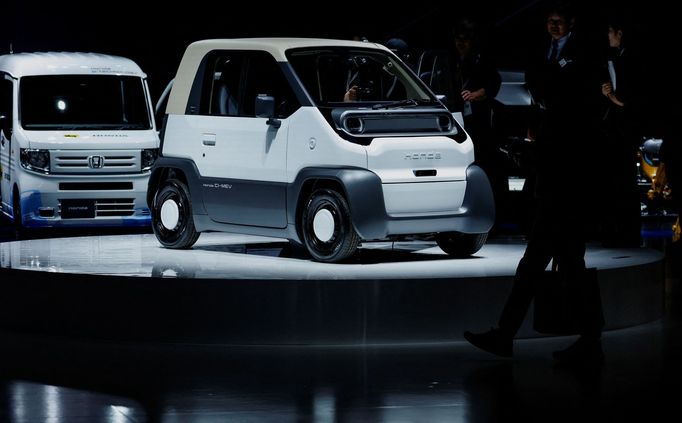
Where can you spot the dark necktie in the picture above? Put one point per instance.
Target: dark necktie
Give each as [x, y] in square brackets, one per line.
[555, 51]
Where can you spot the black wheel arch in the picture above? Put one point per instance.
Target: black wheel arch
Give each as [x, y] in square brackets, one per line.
[182, 169]
[360, 187]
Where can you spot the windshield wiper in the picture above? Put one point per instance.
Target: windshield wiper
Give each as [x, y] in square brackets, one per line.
[400, 103]
[130, 126]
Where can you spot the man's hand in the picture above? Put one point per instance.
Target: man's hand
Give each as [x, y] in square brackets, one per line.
[607, 89]
[477, 95]
[351, 94]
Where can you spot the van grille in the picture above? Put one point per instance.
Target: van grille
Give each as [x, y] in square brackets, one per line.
[95, 161]
[107, 207]
[110, 207]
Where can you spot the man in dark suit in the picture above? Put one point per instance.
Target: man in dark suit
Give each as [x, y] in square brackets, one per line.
[561, 79]
[477, 82]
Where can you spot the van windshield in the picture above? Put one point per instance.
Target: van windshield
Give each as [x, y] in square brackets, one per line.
[337, 76]
[69, 102]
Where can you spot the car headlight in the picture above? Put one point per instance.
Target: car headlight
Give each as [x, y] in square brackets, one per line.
[35, 160]
[149, 156]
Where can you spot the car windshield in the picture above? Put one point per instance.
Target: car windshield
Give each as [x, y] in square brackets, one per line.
[334, 76]
[83, 102]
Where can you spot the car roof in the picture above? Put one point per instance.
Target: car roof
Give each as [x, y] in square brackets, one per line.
[277, 47]
[67, 63]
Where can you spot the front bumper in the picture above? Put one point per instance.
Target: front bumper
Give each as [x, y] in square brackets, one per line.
[475, 214]
[118, 200]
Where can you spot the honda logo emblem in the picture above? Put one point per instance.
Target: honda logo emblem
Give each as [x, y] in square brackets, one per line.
[96, 162]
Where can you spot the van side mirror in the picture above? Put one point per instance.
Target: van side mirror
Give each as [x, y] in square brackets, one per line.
[265, 108]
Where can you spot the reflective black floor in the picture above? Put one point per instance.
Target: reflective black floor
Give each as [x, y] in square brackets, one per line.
[47, 380]
[70, 380]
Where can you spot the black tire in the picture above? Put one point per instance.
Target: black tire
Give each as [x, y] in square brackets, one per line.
[343, 241]
[458, 244]
[175, 195]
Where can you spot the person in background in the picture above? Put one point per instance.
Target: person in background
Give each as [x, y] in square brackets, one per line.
[401, 49]
[477, 81]
[621, 224]
[395, 89]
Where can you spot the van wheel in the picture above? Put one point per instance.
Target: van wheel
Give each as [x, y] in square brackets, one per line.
[458, 244]
[328, 232]
[172, 219]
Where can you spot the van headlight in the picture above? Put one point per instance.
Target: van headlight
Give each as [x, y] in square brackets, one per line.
[35, 160]
[149, 156]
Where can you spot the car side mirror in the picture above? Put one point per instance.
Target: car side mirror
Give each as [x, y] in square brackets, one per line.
[442, 98]
[265, 108]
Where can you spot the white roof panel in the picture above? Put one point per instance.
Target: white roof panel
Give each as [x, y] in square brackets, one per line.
[61, 63]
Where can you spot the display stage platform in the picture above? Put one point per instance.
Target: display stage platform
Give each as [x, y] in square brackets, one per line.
[243, 290]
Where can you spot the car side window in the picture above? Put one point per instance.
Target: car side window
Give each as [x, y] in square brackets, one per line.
[225, 73]
[264, 76]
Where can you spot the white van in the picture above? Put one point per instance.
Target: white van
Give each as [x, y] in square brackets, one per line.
[324, 142]
[77, 140]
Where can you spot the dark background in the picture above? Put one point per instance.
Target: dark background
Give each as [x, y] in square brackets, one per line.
[156, 35]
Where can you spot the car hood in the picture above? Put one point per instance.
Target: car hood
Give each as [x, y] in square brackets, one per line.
[78, 140]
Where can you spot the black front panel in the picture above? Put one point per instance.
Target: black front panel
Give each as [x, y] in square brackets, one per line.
[94, 186]
[78, 209]
[242, 202]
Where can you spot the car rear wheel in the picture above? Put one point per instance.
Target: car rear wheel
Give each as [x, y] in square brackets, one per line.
[327, 229]
[458, 244]
[172, 215]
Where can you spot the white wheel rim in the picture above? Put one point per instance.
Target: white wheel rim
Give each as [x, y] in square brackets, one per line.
[323, 225]
[169, 273]
[170, 214]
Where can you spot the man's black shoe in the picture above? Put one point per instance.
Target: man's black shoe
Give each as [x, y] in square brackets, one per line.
[493, 341]
[583, 351]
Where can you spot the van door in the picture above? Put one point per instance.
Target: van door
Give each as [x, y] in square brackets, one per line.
[243, 159]
[6, 109]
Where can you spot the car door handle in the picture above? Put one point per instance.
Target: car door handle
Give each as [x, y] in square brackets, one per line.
[208, 139]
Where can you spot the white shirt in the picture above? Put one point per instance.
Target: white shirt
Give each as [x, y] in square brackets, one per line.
[561, 42]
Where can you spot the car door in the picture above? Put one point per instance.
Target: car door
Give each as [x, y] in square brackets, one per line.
[243, 158]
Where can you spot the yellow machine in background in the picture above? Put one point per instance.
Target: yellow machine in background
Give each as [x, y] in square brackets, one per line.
[653, 171]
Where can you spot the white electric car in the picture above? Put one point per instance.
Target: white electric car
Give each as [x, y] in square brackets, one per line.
[77, 140]
[324, 142]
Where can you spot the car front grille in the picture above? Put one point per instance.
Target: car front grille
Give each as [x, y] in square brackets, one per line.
[94, 161]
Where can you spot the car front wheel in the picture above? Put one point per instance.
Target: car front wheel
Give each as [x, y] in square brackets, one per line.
[172, 215]
[327, 229]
